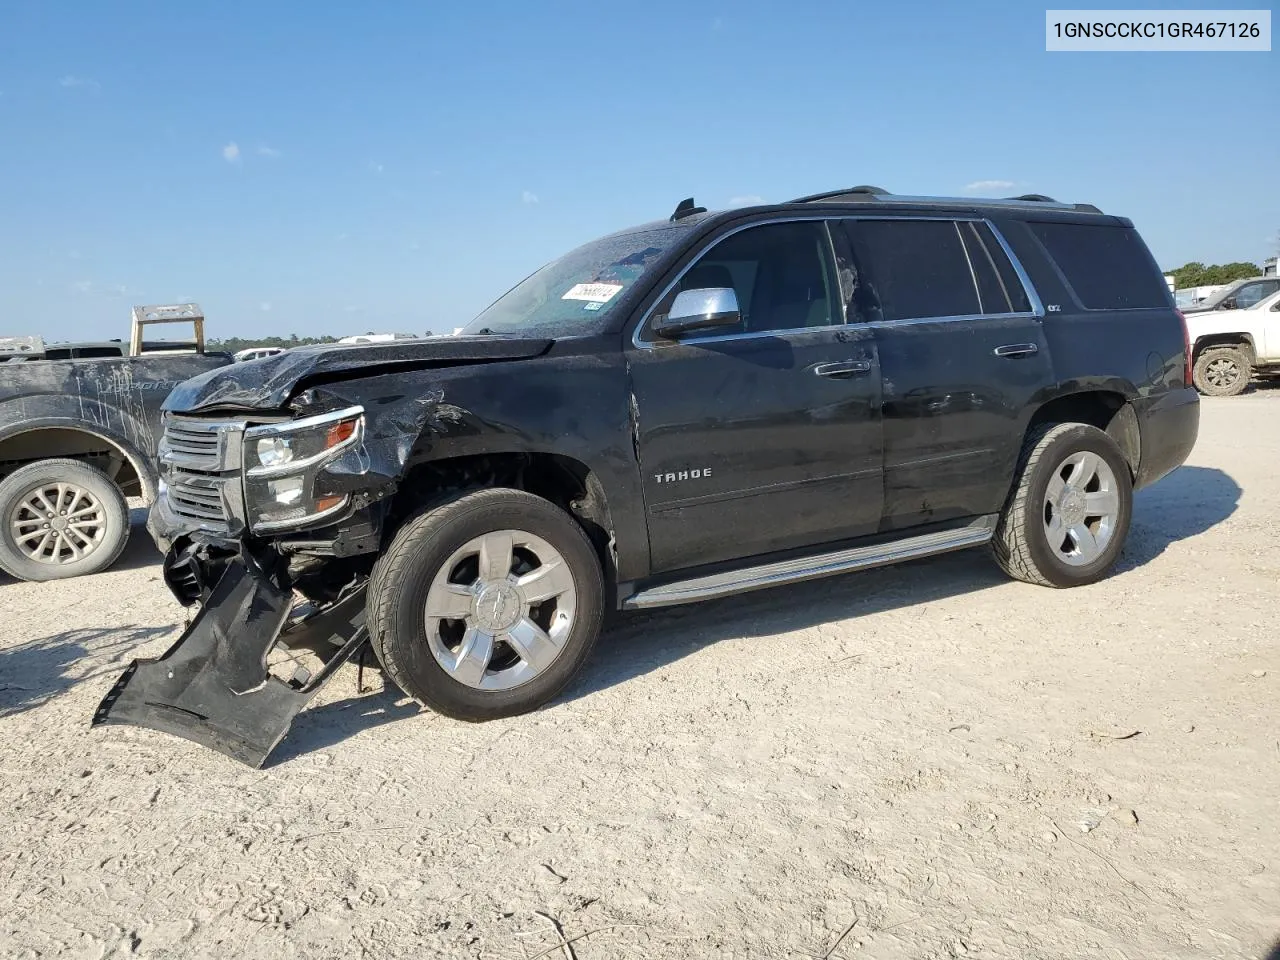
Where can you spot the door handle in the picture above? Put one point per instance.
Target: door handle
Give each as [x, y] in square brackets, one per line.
[1016, 350]
[842, 368]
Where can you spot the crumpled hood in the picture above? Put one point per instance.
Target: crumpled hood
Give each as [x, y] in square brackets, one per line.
[269, 383]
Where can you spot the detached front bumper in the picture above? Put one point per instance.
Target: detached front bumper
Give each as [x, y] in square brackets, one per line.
[213, 685]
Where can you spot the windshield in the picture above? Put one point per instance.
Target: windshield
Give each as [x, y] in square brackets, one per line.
[574, 294]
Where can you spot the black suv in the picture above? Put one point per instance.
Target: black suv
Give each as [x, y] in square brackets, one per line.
[696, 407]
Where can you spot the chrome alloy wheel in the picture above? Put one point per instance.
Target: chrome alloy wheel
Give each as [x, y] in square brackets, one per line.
[500, 609]
[1081, 507]
[57, 523]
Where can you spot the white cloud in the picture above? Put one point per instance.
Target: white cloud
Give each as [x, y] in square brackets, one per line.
[71, 81]
[376, 167]
[271, 152]
[528, 196]
[265, 306]
[983, 185]
[746, 200]
[231, 152]
[83, 286]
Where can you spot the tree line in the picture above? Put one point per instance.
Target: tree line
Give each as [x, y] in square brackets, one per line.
[1196, 274]
[235, 344]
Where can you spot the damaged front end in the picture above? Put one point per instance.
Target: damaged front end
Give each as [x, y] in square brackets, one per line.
[271, 526]
[214, 685]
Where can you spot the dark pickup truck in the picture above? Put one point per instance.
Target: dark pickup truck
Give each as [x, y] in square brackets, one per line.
[696, 407]
[78, 435]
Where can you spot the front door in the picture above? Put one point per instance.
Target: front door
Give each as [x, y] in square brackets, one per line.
[766, 436]
[962, 353]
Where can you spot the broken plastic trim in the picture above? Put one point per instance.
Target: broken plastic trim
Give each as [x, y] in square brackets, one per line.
[213, 687]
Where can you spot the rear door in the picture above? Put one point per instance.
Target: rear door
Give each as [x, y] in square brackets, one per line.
[764, 437]
[962, 355]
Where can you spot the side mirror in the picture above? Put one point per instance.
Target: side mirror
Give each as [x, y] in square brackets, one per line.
[1228, 304]
[704, 309]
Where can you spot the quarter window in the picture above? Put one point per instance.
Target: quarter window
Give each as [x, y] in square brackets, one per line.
[1108, 267]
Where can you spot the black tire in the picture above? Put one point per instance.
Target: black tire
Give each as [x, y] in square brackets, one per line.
[1221, 371]
[403, 576]
[106, 538]
[1021, 544]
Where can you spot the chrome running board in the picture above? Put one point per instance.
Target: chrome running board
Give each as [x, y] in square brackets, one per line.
[810, 568]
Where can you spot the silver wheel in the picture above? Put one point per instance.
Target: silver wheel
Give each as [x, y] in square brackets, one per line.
[1222, 372]
[58, 523]
[1081, 507]
[500, 609]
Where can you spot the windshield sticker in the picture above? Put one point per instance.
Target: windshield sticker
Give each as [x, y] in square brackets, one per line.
[593, 292]
[592, 306]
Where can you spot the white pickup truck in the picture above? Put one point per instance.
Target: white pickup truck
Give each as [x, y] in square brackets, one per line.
[1232, 346]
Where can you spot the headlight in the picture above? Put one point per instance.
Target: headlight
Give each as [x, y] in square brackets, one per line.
[284, 460]
[274, 451]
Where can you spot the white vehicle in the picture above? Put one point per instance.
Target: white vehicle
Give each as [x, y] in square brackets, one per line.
[256, 353]
[1231, 346]
[1237, 295]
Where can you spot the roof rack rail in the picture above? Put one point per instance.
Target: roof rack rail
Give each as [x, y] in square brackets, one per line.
[866, 194]
[862, 190]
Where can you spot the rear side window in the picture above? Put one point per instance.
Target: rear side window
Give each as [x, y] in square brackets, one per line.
[1108, 267]
[917, 268]
[999, 289]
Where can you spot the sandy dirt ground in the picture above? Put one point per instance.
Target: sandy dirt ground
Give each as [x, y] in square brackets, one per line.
[921, 762]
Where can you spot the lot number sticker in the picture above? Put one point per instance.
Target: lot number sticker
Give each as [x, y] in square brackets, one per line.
[593, 292]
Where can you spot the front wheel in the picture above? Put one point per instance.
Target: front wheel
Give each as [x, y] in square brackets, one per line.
[486, 606]
[61, 518]
[1069, 515]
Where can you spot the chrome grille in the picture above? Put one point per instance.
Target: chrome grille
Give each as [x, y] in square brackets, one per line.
[200, 469]
[195, 444]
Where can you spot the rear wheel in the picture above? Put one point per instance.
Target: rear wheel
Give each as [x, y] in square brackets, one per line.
[1069, 514]
[61, 518]
[486, 606]
[1221, 371]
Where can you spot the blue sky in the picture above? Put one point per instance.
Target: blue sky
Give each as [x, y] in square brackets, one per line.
[335, 168]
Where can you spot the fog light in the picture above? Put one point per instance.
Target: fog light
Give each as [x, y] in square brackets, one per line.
[287, 491]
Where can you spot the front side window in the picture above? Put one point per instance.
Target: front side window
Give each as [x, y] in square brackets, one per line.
[780, 272]
[1251, 294]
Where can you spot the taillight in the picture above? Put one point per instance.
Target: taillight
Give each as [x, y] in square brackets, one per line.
[1186, 343]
